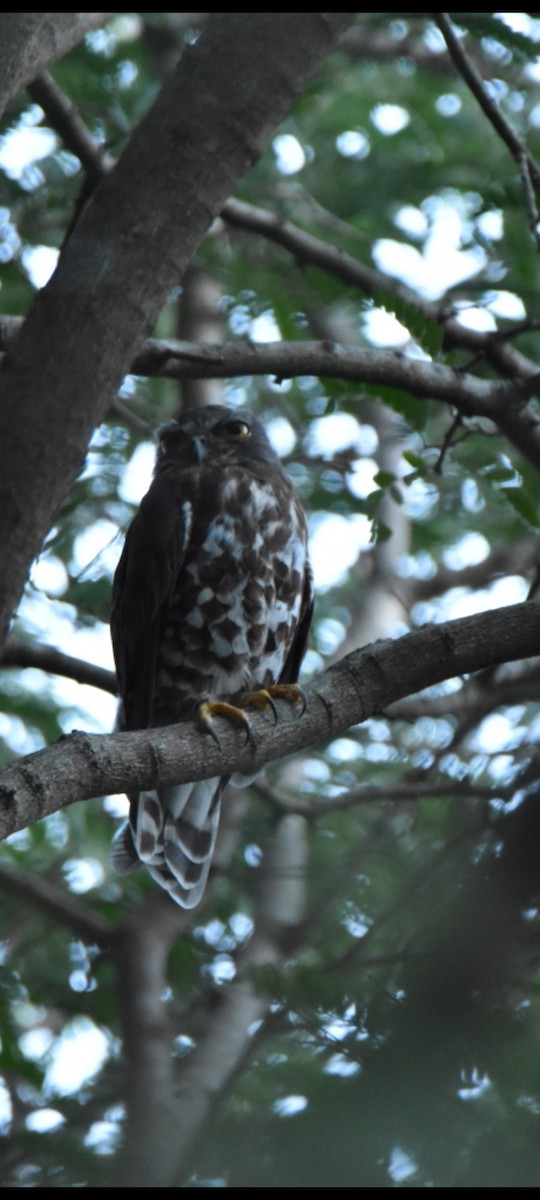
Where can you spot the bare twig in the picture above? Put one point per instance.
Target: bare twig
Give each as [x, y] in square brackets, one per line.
[397, 794]
[528, 167]
[64, 117]
[516, 558]
[448, 441]
[313, 251]
[64, 908]
[19, 653]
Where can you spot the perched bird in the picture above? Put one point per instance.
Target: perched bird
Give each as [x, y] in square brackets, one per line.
[212, 601]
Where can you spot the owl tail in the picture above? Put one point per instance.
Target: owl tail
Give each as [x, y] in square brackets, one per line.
[173, 833]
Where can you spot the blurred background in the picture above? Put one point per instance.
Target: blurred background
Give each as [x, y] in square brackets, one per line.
[362, 976]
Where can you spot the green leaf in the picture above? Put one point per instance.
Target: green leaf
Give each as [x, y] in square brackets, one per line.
[524, 503]
[384, 478]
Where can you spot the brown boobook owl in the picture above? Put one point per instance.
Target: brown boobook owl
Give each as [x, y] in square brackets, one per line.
[212, 601]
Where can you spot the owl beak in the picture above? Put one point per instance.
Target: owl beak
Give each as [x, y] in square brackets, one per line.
[199, 447]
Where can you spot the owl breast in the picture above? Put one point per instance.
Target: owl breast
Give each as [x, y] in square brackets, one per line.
[236, 604]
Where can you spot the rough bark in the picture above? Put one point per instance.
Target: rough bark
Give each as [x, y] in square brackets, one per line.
[81, 765]
[31, 41]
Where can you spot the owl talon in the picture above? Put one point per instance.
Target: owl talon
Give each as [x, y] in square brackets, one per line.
[300, 695]
[262, 699]
[292, 692]
[219, 708]
[266, 697]
[209, 726]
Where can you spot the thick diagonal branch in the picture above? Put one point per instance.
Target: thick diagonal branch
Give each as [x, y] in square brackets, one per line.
[31, 41]
[83, 765]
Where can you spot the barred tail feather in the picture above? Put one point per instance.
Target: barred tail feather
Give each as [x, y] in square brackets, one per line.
[124, 857]
[173, 833]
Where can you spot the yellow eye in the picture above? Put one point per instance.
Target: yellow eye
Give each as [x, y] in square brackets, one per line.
[238, 429]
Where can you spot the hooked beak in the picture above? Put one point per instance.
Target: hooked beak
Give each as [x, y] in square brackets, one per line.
[199, 447]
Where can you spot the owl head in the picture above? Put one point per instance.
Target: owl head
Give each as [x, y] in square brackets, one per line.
[211, 435]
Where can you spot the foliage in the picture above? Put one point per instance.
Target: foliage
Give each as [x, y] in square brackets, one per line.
[393, 1032]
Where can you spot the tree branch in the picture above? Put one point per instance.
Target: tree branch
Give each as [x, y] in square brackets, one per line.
[361, 42]
[229, 1035]
[312, 251]
[528, 168]
[81, 765]
[19, 653]
[503, 403]
[477, 698]
[165, 1121]
[64, 117]
[66, 909]
[396, 794]
[329, 360]
[515, 558]
[499, 402]
[31, 41]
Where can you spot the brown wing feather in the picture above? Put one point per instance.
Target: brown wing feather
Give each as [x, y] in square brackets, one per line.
[146, 575]
[293, 662]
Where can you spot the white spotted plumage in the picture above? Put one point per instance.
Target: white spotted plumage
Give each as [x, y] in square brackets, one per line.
[212, 599]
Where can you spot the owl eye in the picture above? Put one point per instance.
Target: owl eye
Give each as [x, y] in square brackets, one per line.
[238, 429]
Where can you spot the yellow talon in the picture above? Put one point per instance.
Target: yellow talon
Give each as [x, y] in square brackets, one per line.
[291, 692]
[263, 698]
[219, 708]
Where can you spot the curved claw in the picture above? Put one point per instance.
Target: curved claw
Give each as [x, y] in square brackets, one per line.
[291, 692]
[263, 699]
[266, 697]
[206, 720]
[209, 709]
